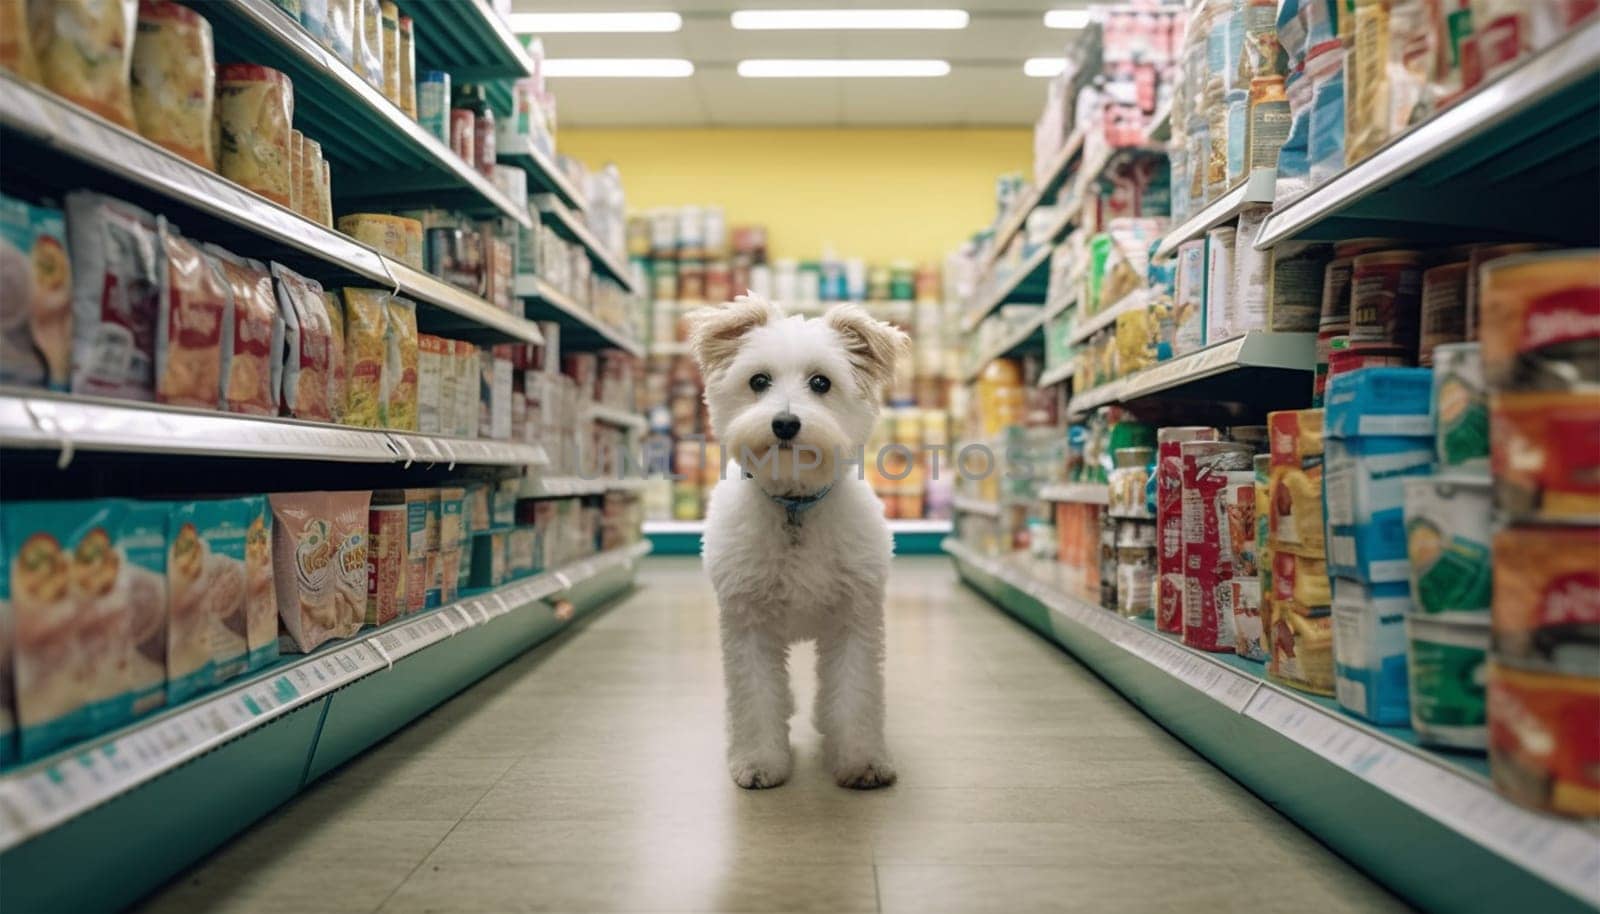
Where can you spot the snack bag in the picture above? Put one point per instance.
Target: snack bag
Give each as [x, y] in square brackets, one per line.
[85, 50]
[35, 296]
[174, 80]
[16, 55]
[304, 560]
[348, 514]
[366, 350]
[192, 328]
[399, 402]
[254, 113]
[338, 380]
[388, 540]
[115, 290]
[206, 596]
[252, 371]
[261, 593]
[308, 331]
[144, 542]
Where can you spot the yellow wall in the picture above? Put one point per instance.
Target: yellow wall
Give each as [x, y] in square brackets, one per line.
[879, 194]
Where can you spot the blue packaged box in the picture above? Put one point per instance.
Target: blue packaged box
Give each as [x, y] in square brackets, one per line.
[1365, 496]
[1379, 401]
[1369, 650]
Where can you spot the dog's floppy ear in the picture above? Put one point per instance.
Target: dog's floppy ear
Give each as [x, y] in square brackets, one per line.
[715, 330]
[873, 345]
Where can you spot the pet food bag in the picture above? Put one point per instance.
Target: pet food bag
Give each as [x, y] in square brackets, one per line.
[174, 79]
[304, 573]
[85, 50]
[399, 403]
[116, 286]
[192, 327]
[366, 351]
[206, 621]
[254, 113]
[35, 296]
[261, 596]
[347, 512]
[252, 371]
[338, 372]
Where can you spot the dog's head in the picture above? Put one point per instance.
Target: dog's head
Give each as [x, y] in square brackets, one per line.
[789, 396]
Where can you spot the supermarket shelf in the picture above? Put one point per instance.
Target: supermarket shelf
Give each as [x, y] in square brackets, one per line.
[466, 38]
[377, 154]
[669, 349]
[543, 173]
[1063, 372]
[1530, 132]
[966, 505]
[1428, 825]
[185, 780]
[548, 302]
[40, 127]
[1105, 317]
[1055, 307]
[1045, 191]
[1025, 283]
[1252, 191]
[1241, 364]
[682, 537]
[39, 420]
[1029, 334]
[619, 418]
[571, 226]
[1090, 493]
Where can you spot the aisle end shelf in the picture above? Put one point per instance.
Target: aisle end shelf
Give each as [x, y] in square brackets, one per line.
[1428, 823]
[174, 779]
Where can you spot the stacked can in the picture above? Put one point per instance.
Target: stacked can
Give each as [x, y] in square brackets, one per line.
[1541, 363]
[1243, 541]
[1207, 552]
[1378, 433]
[1261, 473]
[1136, 529]
[1169, 521]
[1297, 609]
[1333, 325]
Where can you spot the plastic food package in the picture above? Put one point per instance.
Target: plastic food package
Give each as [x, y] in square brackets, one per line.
[206, 575]
[1369, 651]
[251, 368]
[387, 556]
[1365, 495]
[87, 594]
[254, 111]
[399, 402]
[261, 594]
[1207, 568]
[115, 288]
[174, 80]
[1544, 451]
[347, 512]
[338, 377]
[311, 165]
[1538, 313]
[341, 30]
[192, 329]
[391, 236]
[366, 347]
[1447, 522]
[389, 53]
[85, 51]
[35, 296]
[297, 154]
[18, 56]
[369, 42]
[1325, 145]
[304, 562]
[407, 53]
[308, 333]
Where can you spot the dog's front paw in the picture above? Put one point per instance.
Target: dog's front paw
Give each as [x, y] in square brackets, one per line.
[868, 775]
[758, 772]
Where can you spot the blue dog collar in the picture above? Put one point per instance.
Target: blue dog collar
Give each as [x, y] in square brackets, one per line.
[796, 505]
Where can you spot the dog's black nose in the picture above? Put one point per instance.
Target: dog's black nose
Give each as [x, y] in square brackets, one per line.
[785, 426]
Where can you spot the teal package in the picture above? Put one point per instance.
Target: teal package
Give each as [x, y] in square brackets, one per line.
[1364, 504]
[230, 644]
[1369, 651]
[1379, 401]
[8, 717]
[206, 608]
[261, 596]
[144, 542]
[34, 252]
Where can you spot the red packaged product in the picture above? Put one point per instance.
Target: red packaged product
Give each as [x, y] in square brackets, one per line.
[250, 367]
[387, 533]
[1207, 567]
[1169, 522]
[309, 334]
[193, 303]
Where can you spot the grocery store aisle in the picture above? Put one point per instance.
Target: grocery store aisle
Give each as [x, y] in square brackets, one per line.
[588, 776]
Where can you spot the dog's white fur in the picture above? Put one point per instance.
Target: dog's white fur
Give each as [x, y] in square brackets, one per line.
[820, 575]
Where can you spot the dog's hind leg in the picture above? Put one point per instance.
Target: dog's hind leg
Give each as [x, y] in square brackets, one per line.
[755, 667]
[849, 711]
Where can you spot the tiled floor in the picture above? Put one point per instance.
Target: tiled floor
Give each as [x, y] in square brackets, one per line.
[588, 776]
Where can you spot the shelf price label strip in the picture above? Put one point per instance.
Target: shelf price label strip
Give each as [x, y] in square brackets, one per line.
[35, 800]
[1565, 854]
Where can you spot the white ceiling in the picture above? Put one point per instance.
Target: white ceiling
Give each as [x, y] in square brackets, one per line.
[985, 85]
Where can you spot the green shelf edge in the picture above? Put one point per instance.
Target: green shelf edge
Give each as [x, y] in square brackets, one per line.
[675, 542]
[1414, 856]
[111, 856]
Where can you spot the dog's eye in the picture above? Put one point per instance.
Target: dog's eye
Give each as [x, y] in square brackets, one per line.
[760, 382]
[820, 383]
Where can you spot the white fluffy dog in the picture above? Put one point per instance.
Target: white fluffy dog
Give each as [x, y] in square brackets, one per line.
[796, 543]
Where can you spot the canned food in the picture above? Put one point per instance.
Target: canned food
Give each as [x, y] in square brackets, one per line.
[1135, 574]
[1140, 533]
[1207, 614]
[1544, 450]
[1444, 308]
[1476, 258]
[1546, 604]
[1541, 320]
[433, 104]
[1460, 408]
[1249, 635]
[1542, 747]
[1385, 300]
[1169, 521]
[1239, 501]
[1334, 321]
[1447, 659]
[463, 135]
[1447, 544]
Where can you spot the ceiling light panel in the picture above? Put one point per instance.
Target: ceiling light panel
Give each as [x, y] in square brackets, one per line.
[619, 67]
[571, 23]
[1044, 66]
[1066, 19]
[846, 69]
[828, 20]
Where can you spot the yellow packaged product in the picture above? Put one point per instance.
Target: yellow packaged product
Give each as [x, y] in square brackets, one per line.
[391, 236]
[16, 41]
[1302, 652]
[1295, 523]
[365, 340]
[85, 50]
[297, 165]
[311, 179]
[1135, 340]
[255, 107]
[407, 52]
[390, 52]
[399, 403]
[325, 196]
[338, 377]
[174, 78]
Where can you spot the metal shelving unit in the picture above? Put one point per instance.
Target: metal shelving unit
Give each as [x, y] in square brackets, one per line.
[1232, 369]
[1427, 824]
[617, 418]
[584, 329]
[1029, 335]
[567, 223]
[185, 779]
[542, 172]
[467, 38]
[1531, 132]
[1023, 284]
[1255, 190]
[1105, 317]
[1091, 493]
[1050, 377]
[1046, 191]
